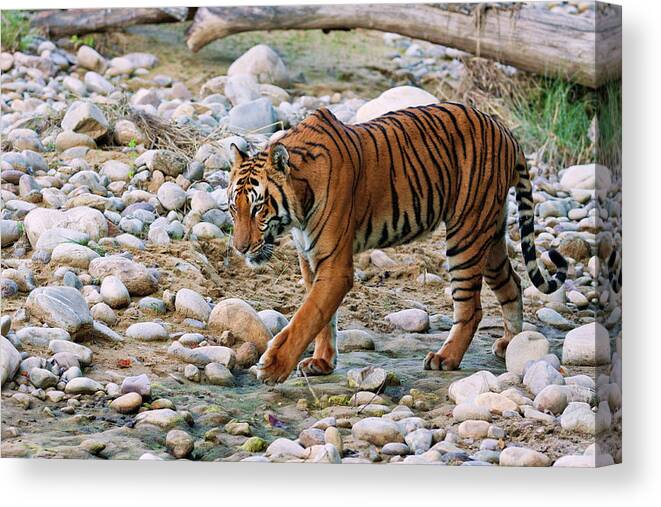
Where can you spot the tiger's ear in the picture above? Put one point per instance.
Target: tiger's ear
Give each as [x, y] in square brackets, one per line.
[279, 157]
[239, 156]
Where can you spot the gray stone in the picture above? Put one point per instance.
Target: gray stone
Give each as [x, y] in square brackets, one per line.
[147, 331]
[42, 378]
[539, 375]
[10, 360]
[218, 374]
[171, 196]
[273, 320]
[138, 384]
[553, 318]
[84, 354]
[189, 303]
[377, 431]
[350, 340]
[254, 116]
[86, 118]
[201, 356]
[61, 307]
[82, 385]
[411, 320]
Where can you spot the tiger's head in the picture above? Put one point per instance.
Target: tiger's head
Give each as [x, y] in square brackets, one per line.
[259, 201]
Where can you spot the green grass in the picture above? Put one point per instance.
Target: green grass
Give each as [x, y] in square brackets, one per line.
[16, 32]
[609, 120]
[554, 116]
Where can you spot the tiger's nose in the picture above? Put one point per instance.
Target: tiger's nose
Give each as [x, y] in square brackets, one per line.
[242, 248]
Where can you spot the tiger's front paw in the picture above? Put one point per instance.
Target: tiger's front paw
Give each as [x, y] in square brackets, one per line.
[277, 363]
[438, 361]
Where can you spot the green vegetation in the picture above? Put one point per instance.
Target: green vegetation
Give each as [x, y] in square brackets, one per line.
[16, 33]
[609, 121]
[555, 116]
[88, 40]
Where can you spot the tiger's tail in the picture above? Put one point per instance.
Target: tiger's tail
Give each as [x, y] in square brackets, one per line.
[523, 188]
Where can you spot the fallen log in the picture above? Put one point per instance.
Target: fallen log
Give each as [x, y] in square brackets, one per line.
[61, 23]
[524, 36]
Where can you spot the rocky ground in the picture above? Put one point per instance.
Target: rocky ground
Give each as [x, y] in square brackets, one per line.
[130, 330]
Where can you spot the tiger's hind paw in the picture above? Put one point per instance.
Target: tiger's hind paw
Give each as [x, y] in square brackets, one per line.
[315, 366]
[436, 361]
[499, 347]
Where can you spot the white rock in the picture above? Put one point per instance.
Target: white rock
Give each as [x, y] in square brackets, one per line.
[263, 64]
[273, 320]
[586, 177]
[466, 389]
[412, 320]
[147, 331]
[114, 292]
[90, 59]
[588, 345]
[62, 307]
[84, 354]
[10, 360]
[579, 417]
[377, 431]
[471, 411]
[41, 336]
[171, 196]
[524, 347]
[523, 457]
[82, 385]
[189, 303]
[394, 99]
[74, 255]
[539, 375]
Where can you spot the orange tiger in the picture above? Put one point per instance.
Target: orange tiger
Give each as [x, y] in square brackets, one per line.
[342, 189]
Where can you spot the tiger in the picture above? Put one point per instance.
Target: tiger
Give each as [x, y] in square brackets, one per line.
[341, 189]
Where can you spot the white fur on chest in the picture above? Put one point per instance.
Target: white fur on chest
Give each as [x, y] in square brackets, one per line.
[303, 243]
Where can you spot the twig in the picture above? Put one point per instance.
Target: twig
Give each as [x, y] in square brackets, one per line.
[305, 376]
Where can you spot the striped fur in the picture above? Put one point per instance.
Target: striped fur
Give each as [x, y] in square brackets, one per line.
[342, 189]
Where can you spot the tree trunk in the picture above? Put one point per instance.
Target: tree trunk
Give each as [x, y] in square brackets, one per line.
[585, 49]
[60, 23]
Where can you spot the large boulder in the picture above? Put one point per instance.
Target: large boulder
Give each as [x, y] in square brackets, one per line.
[254, 116]
[586, 177]
[136, 277]
[62, 307]
[73, 254]
[241, 320]
[83, 219]
[587, 345]
[524, 347]
[85, 118]
[263, 63]
[394, 99]
[10, 360]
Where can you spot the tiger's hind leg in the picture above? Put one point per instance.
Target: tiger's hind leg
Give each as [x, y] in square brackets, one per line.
[466, 267]
[506, 286]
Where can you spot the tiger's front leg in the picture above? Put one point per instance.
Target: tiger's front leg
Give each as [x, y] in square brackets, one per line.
[332, 281]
